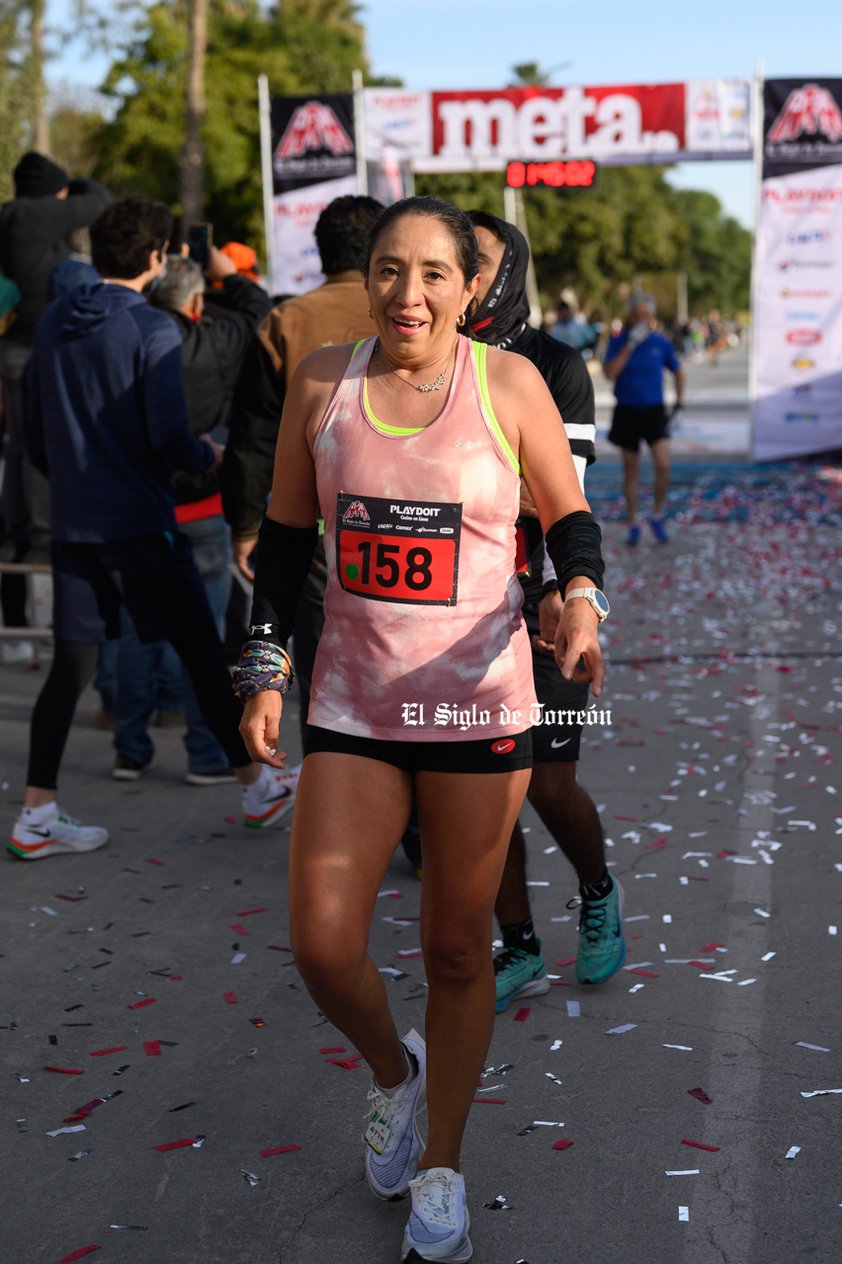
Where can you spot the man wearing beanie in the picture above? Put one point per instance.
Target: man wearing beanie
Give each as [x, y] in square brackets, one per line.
[34, 231]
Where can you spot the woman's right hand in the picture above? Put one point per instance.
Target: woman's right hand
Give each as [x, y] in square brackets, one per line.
[259, 728]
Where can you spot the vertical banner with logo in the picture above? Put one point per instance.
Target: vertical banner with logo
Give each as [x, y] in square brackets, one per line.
[798, 256]
[313, 161]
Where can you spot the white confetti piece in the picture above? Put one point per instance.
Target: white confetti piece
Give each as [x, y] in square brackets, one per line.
[821, 1092]
[746, 982]
[380, 894]
[685, 882]
[761, 912]
[637, 987]
[556, 1045]
[548, 851]
[688, 1171]
[646, 875]
[620, 1031]
[667, 919]
[832, 930]
[397, 921]
[57, 1132]
[802, 1044]
[574, 1009]
[685, 1048]
[637, 965]
[684, 1213]
[238, 957]
[537, 884]
[792, 1152]
[638, 917]
[768, 956]
[547, 1123]
[45, 908]
[565, 918]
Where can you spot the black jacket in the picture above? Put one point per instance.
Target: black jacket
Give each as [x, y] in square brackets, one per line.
[213, 350]
[33, 239]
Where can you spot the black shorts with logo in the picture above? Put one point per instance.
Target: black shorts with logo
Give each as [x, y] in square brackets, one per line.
[558, 740]
[488, 754]
[630, 425]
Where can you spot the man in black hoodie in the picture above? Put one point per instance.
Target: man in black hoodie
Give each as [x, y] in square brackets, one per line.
[34, 232]
[565, 807]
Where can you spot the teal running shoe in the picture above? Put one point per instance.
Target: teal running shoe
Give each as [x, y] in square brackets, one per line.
[602, 948]
[519, 973]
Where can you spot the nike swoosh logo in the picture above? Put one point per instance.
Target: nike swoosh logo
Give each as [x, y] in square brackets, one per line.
[285, 793]
[555, 745]
[41, 833]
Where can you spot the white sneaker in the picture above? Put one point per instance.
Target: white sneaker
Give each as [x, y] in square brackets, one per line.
[268, 799]
[392, 1137]
[58, 834]
[439, 1222]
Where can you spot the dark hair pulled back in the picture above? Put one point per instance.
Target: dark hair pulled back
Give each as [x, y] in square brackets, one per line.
[456, 222]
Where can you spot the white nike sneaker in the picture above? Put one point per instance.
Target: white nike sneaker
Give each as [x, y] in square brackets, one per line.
[269, 799]
[52, 837]
[393, 1142]
[439, 1222]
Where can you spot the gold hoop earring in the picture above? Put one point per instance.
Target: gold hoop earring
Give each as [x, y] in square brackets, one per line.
[370, 317]
[460, 320]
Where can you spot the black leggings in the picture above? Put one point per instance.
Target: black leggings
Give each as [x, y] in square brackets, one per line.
[74, 664]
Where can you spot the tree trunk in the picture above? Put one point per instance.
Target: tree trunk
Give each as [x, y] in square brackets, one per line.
[40, 123]
[192, 173]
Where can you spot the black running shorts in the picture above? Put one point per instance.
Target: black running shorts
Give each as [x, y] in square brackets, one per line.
[630, 425]
[489, 754]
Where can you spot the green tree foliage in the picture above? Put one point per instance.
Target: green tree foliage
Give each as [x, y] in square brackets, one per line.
[137, 150]
[632, 224]
[17, 89]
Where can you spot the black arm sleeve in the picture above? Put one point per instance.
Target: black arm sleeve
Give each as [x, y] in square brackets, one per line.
[282, 561]
[249, 459]
[574, 544]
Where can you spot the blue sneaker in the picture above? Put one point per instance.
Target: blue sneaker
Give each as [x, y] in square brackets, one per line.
[519, 973]
[392, 1138]
[633, 537]
[439, 1222]
[659, 530]
[602, 948]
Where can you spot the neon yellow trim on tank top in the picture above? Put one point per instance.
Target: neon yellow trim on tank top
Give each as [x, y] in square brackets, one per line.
[480, 352]
[384, 426]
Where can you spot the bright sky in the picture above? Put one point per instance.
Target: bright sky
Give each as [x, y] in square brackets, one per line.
[474, 44]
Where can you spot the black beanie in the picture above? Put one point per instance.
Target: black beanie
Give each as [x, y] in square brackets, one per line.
[37, 176]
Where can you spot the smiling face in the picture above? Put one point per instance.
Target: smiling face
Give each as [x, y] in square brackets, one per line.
[417, 290]
[490, 254]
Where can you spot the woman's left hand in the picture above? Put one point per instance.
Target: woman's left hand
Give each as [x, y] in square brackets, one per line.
[577, 649]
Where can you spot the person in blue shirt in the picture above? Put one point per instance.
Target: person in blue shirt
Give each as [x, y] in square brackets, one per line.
[635, 362]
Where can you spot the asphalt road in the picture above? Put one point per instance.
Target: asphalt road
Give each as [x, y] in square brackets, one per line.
[720, 790]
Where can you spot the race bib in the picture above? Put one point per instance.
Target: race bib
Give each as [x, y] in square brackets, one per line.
[398, 550]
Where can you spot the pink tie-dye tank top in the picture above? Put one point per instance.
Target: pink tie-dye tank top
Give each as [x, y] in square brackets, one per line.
[423, 639]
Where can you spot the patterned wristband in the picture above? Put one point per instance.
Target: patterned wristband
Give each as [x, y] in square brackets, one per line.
[262, 666]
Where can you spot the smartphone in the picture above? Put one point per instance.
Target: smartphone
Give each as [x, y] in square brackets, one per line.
[199, 242]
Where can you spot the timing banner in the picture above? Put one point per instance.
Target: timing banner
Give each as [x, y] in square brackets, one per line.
[797, 324]
[475, 130]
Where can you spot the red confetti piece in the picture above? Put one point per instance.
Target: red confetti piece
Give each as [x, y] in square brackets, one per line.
[150, 860]
[230, 998]
[647, 974]
[64, 1070]
[334, 1049]
[697, 1145]
[152, 1048]
[491, 1101]
[700, 1095]
[83, 1250]
[147, 1000]
[347, 1064]
[74, 899]
[562, 1145]
[101, 1053]
[252, 912]
[624, 818]
[522, 1015]
[565, 961]
[240, 930]
[711, 947]
[176, 978]
[702, 965]
[175, 1145]
[723, 855]
[267, 1154]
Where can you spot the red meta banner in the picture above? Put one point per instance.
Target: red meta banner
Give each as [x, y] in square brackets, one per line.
[547, 123]
[559, 174]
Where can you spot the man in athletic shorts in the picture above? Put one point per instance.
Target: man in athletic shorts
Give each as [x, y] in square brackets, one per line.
[565, 807]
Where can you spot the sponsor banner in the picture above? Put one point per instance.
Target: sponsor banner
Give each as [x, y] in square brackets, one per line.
[484, 130]
[312, 140]
[798, 317]
[802, 124]
[296, 264]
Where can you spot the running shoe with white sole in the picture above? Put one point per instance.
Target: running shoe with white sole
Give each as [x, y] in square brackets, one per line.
[519, 973]
[268, 800]
[52, 837]
[602, 948]
[393, 1142]
[439, 1222]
